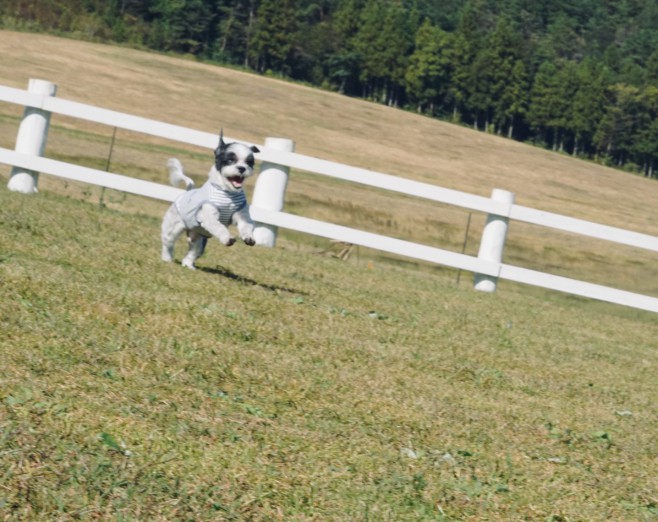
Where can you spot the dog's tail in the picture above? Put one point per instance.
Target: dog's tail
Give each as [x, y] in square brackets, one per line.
[176, 174]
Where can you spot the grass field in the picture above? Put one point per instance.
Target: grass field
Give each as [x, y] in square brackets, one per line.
[287, 385]
[277, 386]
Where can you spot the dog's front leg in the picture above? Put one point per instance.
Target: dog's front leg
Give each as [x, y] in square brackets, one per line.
[245, 225]
[208, 217]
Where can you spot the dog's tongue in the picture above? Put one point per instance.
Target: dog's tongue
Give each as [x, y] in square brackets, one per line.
[236, 181]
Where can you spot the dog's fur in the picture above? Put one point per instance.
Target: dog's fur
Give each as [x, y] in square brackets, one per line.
[234, 163]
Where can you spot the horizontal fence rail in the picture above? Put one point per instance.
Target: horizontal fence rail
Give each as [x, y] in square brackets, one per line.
[334, 170]
[427, 191]
[90, 176]
[462, 261]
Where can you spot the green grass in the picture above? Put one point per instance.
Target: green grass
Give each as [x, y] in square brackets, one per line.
[274, 384]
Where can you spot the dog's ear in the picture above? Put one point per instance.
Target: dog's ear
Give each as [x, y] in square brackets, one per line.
[219, 151]
[254, 148]
[222, 144]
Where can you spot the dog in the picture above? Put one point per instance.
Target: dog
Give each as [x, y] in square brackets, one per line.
[208, 211]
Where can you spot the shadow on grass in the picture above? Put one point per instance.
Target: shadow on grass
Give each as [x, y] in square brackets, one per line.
[224, 272]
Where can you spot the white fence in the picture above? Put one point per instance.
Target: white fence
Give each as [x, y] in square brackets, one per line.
[277, 156]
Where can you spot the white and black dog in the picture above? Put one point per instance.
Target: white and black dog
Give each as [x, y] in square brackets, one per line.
[210, 209]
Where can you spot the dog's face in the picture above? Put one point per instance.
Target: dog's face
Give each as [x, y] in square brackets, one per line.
[234, 162]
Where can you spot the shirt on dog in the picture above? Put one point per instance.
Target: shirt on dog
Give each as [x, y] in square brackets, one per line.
[228, 203]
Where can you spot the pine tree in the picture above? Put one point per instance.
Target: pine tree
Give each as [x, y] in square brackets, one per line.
[562, 121]
[315, 42]
[462, 56]
[588, 104]
[468, 41]
[513, 102]
[545, 106]
[428, 74]
[508, 82]
[234, 28]
[497, 75]
[270, 44]
[617, 129]
[344, 62]
[383, 43]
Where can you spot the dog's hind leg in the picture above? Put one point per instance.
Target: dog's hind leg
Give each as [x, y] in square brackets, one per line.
[172, 228]
[197, 245]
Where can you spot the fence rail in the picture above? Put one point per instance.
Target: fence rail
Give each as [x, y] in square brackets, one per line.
[276, 218]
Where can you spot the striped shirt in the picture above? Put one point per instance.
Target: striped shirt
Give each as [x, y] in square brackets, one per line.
[228, 203]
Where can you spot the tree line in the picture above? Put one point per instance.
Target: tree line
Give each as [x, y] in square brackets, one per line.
[578, 76]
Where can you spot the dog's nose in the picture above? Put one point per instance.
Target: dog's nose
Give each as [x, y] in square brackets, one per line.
[241, 169]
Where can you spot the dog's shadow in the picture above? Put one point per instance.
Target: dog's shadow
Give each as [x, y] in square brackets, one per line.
[224, 272]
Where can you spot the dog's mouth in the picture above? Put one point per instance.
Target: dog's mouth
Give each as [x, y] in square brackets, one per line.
[236, 181]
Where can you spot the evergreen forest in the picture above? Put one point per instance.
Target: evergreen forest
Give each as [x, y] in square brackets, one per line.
[577, 76]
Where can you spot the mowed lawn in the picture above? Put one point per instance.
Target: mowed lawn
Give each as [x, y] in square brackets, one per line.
[284, 384]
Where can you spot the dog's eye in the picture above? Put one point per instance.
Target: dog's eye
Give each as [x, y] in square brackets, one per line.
[231, 158]
[250, 161]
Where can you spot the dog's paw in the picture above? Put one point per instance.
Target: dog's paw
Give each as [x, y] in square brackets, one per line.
[249, 241]
[230, 241]
[188, 264]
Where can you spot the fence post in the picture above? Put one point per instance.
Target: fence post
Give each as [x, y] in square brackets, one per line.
[493, 241]
[32, 137]
[270, 190]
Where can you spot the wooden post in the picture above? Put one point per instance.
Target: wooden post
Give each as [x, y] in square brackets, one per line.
[32, 137]
[493, 241]
[270, 190]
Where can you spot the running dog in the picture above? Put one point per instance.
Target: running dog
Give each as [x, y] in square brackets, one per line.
[208, 211]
